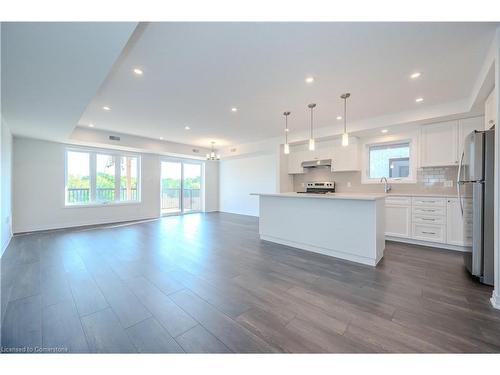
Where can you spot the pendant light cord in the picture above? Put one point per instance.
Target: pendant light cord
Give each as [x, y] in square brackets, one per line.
[312, 122]
[286, 128]
[345, 113]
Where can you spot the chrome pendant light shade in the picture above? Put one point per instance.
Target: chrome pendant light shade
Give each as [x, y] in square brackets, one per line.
[311, 138]
[286, 147]
[212, 155]
[345, 135]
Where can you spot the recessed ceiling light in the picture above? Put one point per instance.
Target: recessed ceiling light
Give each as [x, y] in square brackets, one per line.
[161, 138]
[138, 71]
[91, 125]
[415, 75]
[187, 128]
[419, 100]
[309, 79]
[106, 108]
[384, 130]
[339, 117]
[234, 109]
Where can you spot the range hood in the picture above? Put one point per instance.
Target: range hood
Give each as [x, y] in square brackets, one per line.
[317, 163]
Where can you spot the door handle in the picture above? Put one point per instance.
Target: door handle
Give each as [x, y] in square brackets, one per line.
[459, 183]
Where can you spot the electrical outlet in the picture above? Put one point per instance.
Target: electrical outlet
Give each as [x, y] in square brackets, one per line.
[349, 184]
[448, 183]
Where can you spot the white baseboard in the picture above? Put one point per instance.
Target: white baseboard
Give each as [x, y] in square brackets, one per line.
[495, 300]
[427, 243]
[321, 250]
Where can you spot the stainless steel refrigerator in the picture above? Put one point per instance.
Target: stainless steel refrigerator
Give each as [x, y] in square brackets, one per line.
[475, 181]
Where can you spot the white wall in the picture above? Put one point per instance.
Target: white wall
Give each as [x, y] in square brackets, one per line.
[211, 185]
[242, 176]
[38, 185]
[5, 174]
[5, 186]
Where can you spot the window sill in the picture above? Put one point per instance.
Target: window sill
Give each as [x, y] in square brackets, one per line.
[110, 204]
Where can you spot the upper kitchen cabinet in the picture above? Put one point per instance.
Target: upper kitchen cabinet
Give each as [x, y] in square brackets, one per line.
[438, 144]
[441, 144]
[490, 111]
[295, 159]
[345, 158]
[465, 127]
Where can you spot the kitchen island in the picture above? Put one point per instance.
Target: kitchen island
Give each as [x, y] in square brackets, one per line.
[345, 226]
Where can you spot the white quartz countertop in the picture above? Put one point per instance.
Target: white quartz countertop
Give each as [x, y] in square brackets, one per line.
[421, 195]
[351, 196]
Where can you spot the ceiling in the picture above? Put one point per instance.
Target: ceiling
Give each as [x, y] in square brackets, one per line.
[51, 70]
[194, 73]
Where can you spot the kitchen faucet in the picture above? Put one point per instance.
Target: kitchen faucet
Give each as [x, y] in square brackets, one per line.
[387, 187]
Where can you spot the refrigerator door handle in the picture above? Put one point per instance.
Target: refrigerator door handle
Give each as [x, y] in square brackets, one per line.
[459, 183]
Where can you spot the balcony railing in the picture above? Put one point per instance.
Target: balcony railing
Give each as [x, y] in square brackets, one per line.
[82, 195]
[171, 200]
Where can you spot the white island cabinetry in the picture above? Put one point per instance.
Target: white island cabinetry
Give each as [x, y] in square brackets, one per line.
[346, 226]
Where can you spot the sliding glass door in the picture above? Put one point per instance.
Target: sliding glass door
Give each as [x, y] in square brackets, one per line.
[180, 187]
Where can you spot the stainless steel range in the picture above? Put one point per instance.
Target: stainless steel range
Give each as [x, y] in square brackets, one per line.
[319, 187]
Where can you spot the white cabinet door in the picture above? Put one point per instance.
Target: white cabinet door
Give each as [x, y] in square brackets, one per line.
[454, 221]
[295, 159]
[465, 127]
[320, 154]
[398, 221]
[345, 158]
[438, 144]
[459, 231]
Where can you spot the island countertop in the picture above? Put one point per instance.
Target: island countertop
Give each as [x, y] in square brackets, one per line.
[350, 196]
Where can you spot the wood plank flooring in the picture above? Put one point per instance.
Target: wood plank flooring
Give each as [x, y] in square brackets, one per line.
[205, 283]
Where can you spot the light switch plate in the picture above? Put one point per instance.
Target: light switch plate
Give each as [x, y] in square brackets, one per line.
[349, 184]
[448, 183]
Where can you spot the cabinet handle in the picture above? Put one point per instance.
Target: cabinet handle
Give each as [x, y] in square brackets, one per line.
[423, 218]
[423, 209]
[428, 232]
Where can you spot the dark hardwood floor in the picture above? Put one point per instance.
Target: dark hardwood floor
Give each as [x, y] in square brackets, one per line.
[206, 283]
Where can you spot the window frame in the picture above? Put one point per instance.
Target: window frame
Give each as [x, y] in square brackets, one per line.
[413, 160]
[116, 154]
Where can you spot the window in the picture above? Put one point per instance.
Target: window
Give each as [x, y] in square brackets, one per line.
[78, 178]
[128, 178]
[389, 160]
[105, 178]
[93, 177]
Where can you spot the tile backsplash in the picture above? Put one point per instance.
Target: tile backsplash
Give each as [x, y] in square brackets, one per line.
[436, 180]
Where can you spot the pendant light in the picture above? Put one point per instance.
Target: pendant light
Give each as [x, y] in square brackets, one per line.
[311, 138]
[286, 146]
[345, 135]
[212, 155]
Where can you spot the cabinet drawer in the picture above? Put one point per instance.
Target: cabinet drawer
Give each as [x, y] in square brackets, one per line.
[437, 211]
[429, 232]
[429, 201]
[398, 201]
[424, 219]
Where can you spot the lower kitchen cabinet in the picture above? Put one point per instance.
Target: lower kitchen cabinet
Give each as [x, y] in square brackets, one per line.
[397, 217]
[459, 229]
[431, 221]
[429, 232]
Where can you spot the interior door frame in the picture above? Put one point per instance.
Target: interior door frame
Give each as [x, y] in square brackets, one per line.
[181, 194]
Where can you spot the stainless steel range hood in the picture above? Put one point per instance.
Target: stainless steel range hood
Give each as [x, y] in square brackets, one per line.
[317, 163]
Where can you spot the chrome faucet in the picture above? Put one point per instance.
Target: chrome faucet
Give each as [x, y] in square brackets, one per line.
[387, 187]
